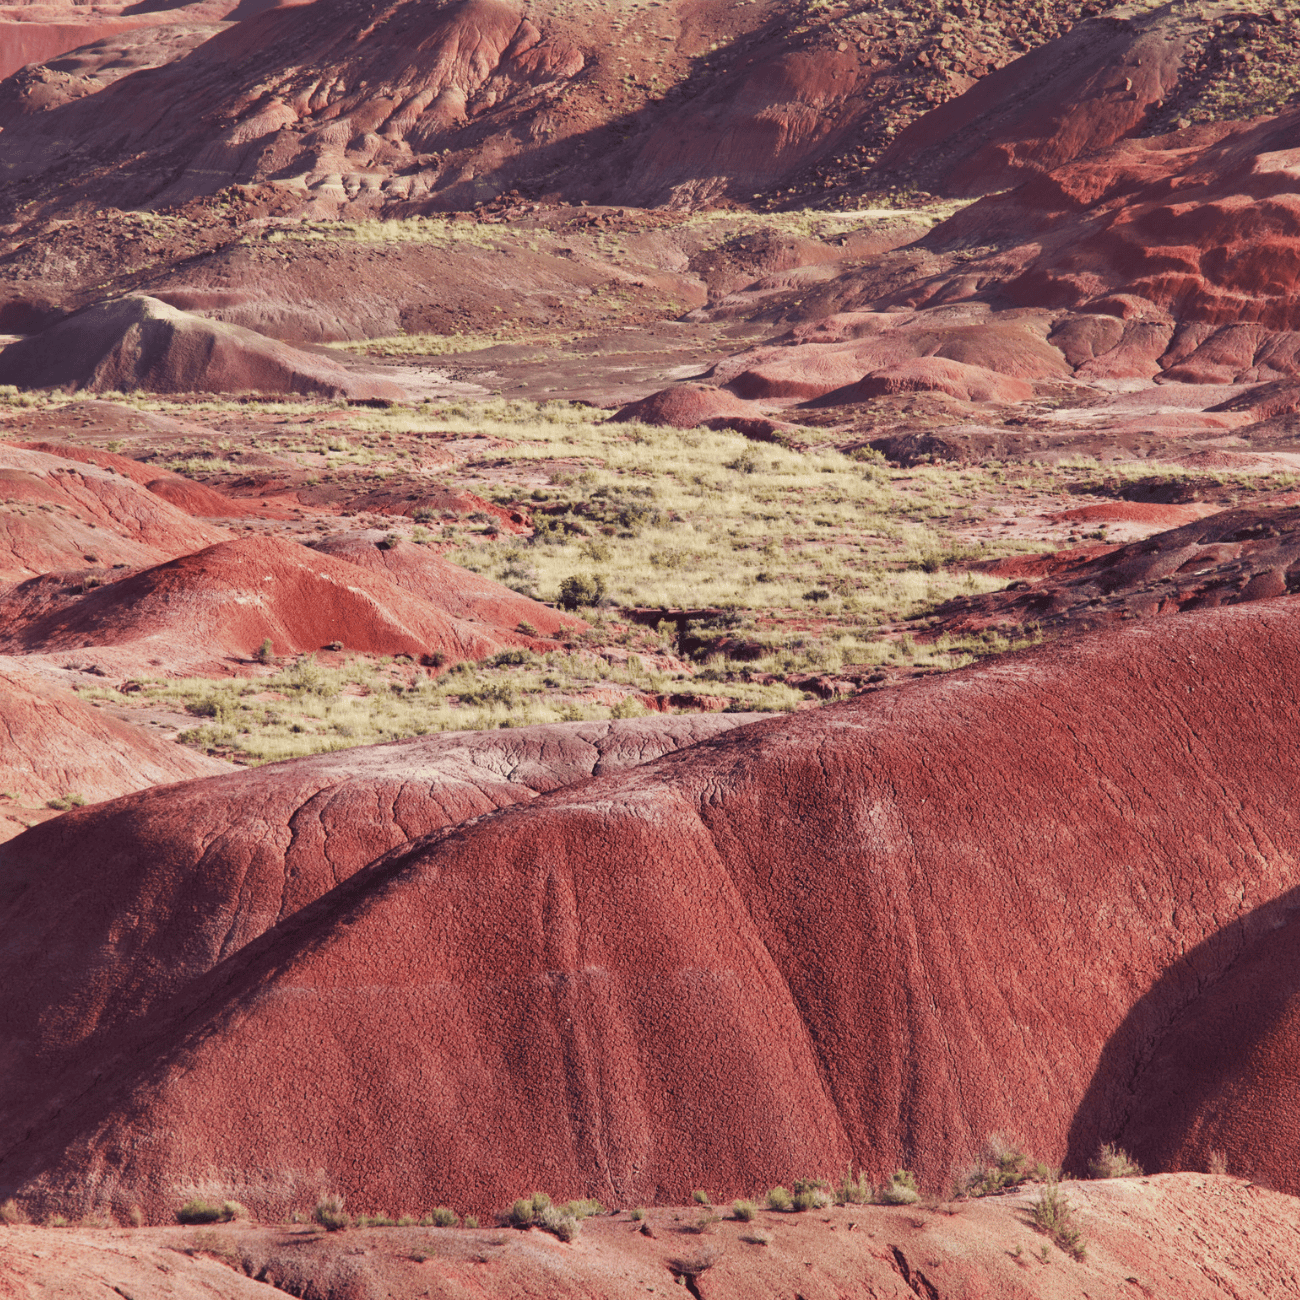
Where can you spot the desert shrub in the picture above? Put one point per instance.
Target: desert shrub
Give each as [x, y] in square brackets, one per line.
[1001, 1165]
[854, 1189]
[443, 1217]
[901, 1189]
[232, 1210]
[1054, 1216]
[780, 1199]
[135, 1217]
[581, 589]
[11, 1212]
[406, 1221]
[1113, 1162]
[329, 1213]
[583, 1209]
[198, 1210]
[57, 1221]
[744, 1211]
[811, 1194]
[1217, 1162]
[471, 1221]
[388, 541]
[638, 1214]
[701, 1197]
[265, 652]
[559, 1222]
[693, 1266]
[380, 1220]
[528, 1210]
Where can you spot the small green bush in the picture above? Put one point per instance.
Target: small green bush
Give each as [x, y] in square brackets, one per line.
[780, 1199]
[471, 1221]
[810, 1194]
[581, 589]
[637, 1215]
[853, 1189]
[559, 1222]
[265, 652]
[744, 1211]
[1054, 1216]
[901, 1189]
[528, 1210]
[701, 1197]
[1000, 1166]
[443, 1217]
[198, 1210]
[329, 1213]
[1113, 1162]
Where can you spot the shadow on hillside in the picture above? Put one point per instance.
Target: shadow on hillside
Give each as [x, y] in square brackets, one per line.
[1128, 1081]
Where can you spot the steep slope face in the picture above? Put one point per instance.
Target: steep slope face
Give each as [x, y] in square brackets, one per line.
[53, 745]
[451, 103]
[448, 586]
[1195, 232]
[1096, 84]
[127, 344]
[1220, 1086]
[835, 936]
[223, 602]
[168, 884]
[57, 514]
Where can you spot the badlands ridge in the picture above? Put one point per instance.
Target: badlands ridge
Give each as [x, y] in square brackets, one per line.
[648, 599]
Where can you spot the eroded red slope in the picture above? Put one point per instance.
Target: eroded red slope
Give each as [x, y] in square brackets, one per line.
[878, 931]
[221, 603]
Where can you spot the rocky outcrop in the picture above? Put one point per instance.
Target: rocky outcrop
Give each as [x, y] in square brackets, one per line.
[141, 343]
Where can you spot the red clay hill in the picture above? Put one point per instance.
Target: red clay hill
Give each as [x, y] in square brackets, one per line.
[58, 514]
[217, 606]
[53, 745]
[139, 343]
[457, 590]
[830, 937]
[175, 880]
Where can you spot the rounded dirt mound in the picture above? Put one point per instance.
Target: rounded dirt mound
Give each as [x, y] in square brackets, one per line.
[933, 375]
[836, 936]
[142, 343]
[689, 406]
[222, 603]
[167, 884]
[459, 592]
[53, 745]
[58, 514]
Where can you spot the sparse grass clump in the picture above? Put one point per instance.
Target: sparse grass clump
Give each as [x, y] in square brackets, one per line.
[1054, 1216]
[198, 1210]
[442, 1217]
[901, 1189]
[744, 1211]
[811, 1194]
[330, 1215]
[854, 1189]
[779, 1198]
[1000, 1167]
[1112, 1161]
